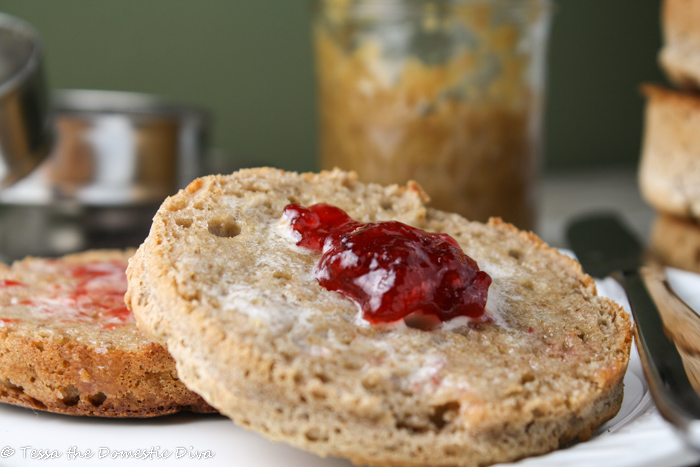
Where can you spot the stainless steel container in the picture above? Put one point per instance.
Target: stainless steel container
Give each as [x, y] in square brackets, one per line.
[25, 126]
[117, 156]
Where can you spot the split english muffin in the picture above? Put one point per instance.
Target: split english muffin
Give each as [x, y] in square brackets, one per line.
[221, 282]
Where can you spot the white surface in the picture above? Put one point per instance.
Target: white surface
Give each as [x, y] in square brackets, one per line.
[636, 437]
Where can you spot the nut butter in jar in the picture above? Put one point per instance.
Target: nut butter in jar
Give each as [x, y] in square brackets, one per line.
[447, 93]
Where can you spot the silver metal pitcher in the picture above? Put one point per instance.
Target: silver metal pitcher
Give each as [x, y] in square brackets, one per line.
[25, 123]
[116, 157]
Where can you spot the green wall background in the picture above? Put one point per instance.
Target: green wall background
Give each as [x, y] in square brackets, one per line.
[250, 63]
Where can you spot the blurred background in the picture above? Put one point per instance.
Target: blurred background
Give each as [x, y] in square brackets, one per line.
[251, 64]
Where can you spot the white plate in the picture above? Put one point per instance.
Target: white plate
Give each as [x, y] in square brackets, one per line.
[636, 437]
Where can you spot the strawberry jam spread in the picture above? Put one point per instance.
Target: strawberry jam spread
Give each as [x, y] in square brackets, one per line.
[9, 283]
[91, 292]
[100, 289]
[390, 269]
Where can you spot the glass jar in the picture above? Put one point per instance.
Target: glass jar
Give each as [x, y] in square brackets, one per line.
[447, 93]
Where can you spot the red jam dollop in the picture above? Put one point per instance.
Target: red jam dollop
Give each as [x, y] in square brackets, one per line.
[390, 269]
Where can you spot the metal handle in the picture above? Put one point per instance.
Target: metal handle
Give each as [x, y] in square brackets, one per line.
[663, 366]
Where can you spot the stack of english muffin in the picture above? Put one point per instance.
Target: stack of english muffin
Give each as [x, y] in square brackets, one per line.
[669, 173]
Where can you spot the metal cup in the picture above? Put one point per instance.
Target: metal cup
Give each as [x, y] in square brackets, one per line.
[25, 125]
[117, 156]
